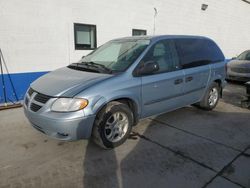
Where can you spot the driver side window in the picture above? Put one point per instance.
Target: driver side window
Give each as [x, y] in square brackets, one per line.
[165, 55]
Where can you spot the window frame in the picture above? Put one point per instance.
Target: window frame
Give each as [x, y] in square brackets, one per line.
[248, 54]
[135, 74]
[182, 52]
[140, 30]
[81, 46]
[243, 53]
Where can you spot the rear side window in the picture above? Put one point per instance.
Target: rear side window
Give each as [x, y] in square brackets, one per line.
[198, 52]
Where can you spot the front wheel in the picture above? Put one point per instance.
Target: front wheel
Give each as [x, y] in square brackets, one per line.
[211, 97]
[113, 125]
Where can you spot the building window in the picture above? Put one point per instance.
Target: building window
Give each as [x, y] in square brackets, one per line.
[138, 32]
[85, 36]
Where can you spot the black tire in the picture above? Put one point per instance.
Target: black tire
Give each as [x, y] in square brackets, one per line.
[98, 133]
[204, 103]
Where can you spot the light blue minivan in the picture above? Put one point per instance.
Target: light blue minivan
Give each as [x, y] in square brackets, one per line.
[107, 92]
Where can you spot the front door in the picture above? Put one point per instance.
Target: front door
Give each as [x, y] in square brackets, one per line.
[162, 90]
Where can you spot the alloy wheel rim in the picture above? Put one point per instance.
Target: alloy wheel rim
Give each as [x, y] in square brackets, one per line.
[116, 126]
[213, 96]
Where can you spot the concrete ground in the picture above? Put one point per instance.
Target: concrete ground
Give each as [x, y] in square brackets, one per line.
[188, 147]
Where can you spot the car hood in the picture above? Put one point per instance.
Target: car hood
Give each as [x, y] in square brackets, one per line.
[67, 82]
[239, 63]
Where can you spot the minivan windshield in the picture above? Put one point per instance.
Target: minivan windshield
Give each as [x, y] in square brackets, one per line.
[116, 55]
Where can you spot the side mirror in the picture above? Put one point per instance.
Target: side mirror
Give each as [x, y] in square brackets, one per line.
[233, 58]
[148, 68]
[83, 56]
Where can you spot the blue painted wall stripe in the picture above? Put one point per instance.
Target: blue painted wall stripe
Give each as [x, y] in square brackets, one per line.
[21, 82]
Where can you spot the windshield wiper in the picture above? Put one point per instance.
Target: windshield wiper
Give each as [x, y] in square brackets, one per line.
[97, 65]
[82, 67]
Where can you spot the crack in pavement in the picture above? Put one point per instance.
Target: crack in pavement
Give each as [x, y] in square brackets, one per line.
[218, 173]
[242, 152]
[195, 161]
[225, 167]
[175, 152]
[193, 134]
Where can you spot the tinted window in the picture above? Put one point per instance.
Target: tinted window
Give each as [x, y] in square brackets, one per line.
[164, 53]
[197, 52]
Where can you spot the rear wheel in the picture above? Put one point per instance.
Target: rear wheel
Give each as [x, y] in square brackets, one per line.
[211, 98]
[113, 125]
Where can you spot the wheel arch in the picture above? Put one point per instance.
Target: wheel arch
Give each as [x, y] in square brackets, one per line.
[132, 104]
[219, 82]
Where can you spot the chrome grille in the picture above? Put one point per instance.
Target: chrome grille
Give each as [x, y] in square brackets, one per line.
[34, 107]
[41, 98]
[240, 70]
[35, 101]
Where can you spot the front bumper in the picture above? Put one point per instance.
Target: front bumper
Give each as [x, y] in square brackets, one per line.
[237, 76]
[62, 126]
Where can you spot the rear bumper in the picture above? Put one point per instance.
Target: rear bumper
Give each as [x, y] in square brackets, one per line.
[62, 127]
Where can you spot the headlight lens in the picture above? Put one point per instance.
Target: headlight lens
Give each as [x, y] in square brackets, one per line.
[69, 105]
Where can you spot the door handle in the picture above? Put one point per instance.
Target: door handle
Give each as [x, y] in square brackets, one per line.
[178, 81]
[188, 79]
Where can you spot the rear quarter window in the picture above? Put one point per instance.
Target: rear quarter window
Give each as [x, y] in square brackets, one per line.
[198, 52]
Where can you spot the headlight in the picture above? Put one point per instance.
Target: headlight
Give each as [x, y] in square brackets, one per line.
[69, 105]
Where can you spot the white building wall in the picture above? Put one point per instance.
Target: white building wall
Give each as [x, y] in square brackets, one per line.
[38, 35]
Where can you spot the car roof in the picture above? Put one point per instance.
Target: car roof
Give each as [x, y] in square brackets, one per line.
[246, 51]
[157, 37]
